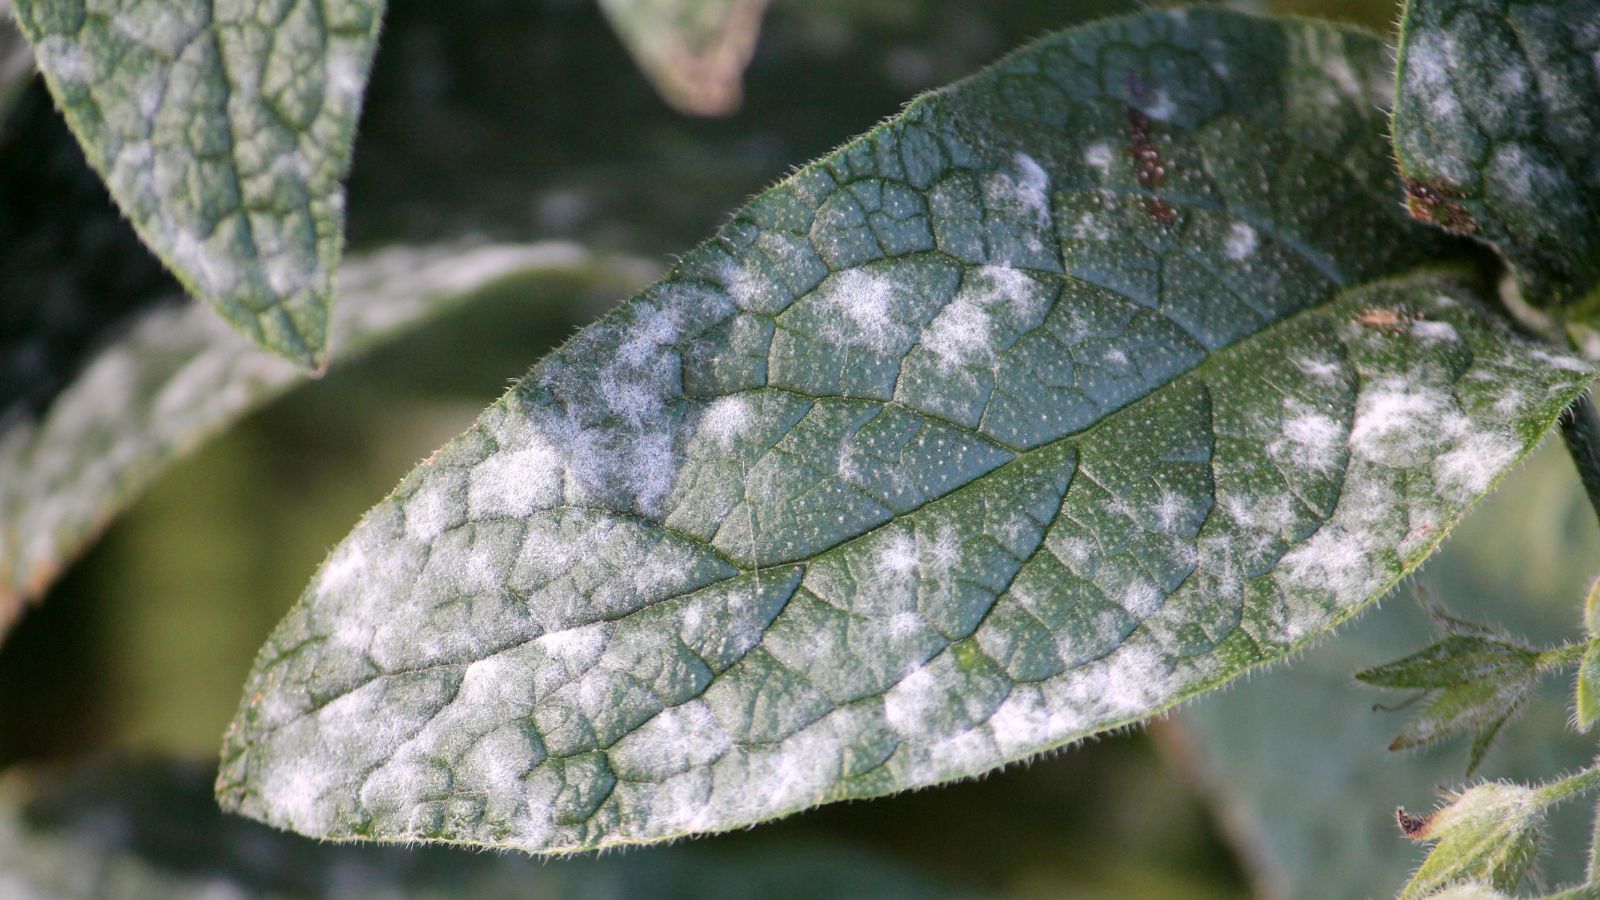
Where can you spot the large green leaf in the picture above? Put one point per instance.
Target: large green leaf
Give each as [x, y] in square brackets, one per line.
[1077, 389]
[1495, 132]
[175, 377]
[694, 51]
[150, 829]
[224, 133]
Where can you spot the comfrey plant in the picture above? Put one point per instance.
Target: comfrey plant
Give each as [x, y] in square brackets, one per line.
[1135, 361]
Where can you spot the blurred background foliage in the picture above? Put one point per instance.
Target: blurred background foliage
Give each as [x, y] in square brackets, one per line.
[524, 120]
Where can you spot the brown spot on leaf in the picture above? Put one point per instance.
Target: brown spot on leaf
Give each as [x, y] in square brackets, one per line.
[1387, 319]
[1410, 826]
[1148, 166]
[1436, 203]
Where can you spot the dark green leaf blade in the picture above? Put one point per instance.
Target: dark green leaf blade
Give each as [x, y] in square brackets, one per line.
[224, 133]
[1077, 389]
[1495, 130]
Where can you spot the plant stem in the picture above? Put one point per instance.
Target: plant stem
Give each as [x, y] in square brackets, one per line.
[1562, 656]
[1571, 786]
[1580, 428]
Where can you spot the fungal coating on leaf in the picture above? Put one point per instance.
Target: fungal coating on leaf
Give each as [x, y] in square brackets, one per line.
[1494, 131]
[942, 453]
[224, 133]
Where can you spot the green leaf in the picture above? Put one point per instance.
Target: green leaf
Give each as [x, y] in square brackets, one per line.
[176, 377]
[224, 133]
[694, 51]
[1475, 683]
[1495, 133]
[150, 829]
[1458, 659]
[1079, 388]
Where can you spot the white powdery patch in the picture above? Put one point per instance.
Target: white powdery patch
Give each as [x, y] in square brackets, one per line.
[297, 788]
[1098, 156]
[866, 302]
[676, 739]
[1142, 599]
[515, 483]
[1161, 108]
[964, 331]
[431, 510]
[1399, 422]
[1429, 59]
[1561, 361]
[1337, 559]
[912, 706]
[63, 58]
[1322, 370]
[898, 555]
[1467, 470]
[1241, 242]
[1125, 684]
[346, 68]
[576, 648]
[1338, 68]
[1311, 440]
[1033, 189]
[1430, 331]
[727, 419]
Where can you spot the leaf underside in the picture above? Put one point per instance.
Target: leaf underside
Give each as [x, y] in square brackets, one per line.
[1078, 388]
[175, 377]
[693, 51]
[1499, 103]
[224, 133]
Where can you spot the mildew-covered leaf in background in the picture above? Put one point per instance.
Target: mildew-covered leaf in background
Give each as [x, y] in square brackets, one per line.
[176, 376]
[16, 61]
[150, 829]
[694, 51]
[224, 133]
[1495, 131]
[1077, 389]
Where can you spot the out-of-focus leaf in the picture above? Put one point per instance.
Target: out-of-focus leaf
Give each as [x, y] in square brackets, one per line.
[175, 377]
[151, 831]
[1495, 133]
[1456, 660]
[1297, 761]
[224, 132]
[16, 61]
[1473, 682]
[1045, 405]
[694, 51]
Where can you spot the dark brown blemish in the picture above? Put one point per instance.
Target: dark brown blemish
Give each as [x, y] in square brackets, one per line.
[1387, 319]
[1435, 202]
[1410, 826]
[1148, 166]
